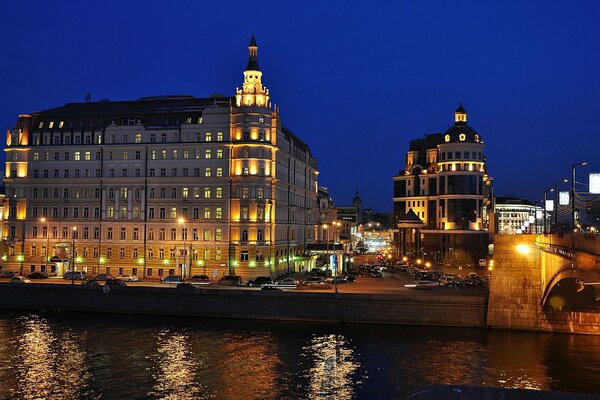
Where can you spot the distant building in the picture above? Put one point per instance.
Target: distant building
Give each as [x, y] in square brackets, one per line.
[445, 184]
[167, 185]
[517, 216]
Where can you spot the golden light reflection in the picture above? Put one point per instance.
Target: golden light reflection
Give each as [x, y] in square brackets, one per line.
[175, 369]
[332, 375]
[49, 368]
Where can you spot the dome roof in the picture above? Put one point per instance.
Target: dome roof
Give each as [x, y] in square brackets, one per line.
[460, 109]
[459, 129]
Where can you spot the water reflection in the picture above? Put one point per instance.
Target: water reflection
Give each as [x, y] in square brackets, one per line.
[334, 366]
[174, 369]
[47, 367]
[248, 366]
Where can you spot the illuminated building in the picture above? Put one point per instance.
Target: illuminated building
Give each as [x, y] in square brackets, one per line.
[445, 184]
[516, 216]
[156, 184]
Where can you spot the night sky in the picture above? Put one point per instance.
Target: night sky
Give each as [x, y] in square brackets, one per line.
[355, 80]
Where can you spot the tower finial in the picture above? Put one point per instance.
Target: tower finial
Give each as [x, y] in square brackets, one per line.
[252, 56]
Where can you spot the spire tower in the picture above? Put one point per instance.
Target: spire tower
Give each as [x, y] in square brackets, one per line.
[252, 93]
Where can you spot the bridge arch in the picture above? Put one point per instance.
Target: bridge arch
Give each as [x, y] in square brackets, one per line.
[564, 289]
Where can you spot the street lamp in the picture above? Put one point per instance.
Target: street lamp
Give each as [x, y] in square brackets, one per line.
[181, 221]
[73, 254]
[556, 202]
[573, 191]
[44, 220]
[545, 209]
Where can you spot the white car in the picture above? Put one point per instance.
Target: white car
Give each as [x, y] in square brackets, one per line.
[287, 283]
[128, 278]
[19, 279]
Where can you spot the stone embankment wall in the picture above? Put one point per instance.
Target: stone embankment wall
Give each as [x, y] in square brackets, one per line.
[517, 286]
[420, 309]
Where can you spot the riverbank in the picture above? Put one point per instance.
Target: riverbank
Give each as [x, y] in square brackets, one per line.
[416, 308]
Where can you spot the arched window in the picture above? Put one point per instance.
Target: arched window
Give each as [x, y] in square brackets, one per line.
[447, 138]
[462, 137]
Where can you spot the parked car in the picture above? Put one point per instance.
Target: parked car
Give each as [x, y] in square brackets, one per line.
[74, 275]
[336, 280]
[376, 274]
[7, 274]
[287, 283]
[230, 280]
[115, 282]
[37, 275]
[90, 282]
[260, 280]
[128, 278]
[19, 279]
[350, 278]
[199, 280]
[172, 279]
[315, 280]
[447, 280]
[103, 277]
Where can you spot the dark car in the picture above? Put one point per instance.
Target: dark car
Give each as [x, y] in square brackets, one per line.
[231, 280]
[90, 282]
[115, 282]
[172, 279]
[376, 274]
[7, 274]
[37, 275]
[199, 280]
[103, 277]
[74, 275]
[350, 278]
[260, 280]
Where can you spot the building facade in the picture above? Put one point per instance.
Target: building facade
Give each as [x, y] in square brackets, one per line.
[445, 183]
[168, 185]
[514, 216]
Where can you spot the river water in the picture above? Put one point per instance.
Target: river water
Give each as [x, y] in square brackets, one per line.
[97, 356]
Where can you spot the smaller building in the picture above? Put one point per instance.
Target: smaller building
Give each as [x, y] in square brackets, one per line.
[514, 216]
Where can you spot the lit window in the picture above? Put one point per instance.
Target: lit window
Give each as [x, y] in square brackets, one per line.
[219, 172]
[219, 136]
[207, 193]
[219, 193]
[51, 125]
[207, 154]
[186, 192]
[462, 137]
[207, 212]
[207, 172]
[208, 136]
[77, 156]
[220, 153]
[477, 138]
[60, 124]
[447, 138]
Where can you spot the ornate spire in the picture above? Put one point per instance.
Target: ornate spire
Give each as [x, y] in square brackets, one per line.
[252, 56]
[252, 93]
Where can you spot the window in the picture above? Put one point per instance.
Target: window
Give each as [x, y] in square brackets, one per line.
[260, 192]
[218, 234]
[206, 212]
[138, 138]
[77, 156]
[219, 172]
[219, 193]
[245, 192]
[219, 136]
[186, 154]
[218, 213]
[185, 192]
[220, 153]
[208, 172]
[208, 136]
[206, 234]
[244, 255]
[207, 193]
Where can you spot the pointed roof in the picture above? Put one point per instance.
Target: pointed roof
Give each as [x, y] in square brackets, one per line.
[460, 109]
[252, 56]
[409, 220]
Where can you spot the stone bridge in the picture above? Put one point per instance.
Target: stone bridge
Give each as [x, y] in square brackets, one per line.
[544, 282]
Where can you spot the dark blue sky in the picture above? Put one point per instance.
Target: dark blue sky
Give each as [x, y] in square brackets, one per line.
[354, 80]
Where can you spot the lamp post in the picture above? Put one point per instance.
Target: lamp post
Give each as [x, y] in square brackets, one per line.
[545, 217]
[73, 255]
[45, 220]
[573, 192]
[181, 221]
[556, 202]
